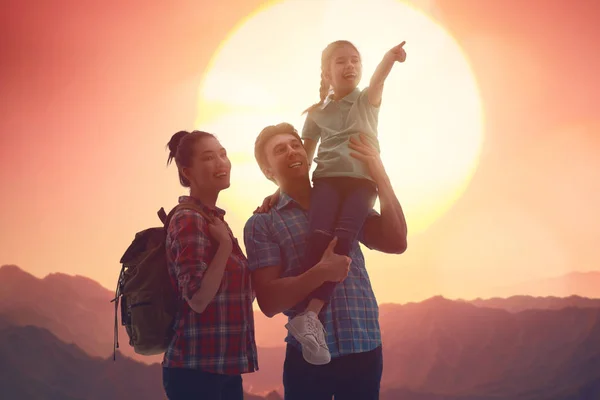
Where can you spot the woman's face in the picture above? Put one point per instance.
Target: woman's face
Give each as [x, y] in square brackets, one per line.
[210, 169]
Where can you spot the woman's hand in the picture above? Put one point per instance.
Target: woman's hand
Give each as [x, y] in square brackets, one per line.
[218, 230]
[268, 203]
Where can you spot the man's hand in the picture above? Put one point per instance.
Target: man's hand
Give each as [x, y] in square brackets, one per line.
[365, 152]
[335, 266]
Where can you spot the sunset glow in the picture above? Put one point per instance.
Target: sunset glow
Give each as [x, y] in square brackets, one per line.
[431, 118]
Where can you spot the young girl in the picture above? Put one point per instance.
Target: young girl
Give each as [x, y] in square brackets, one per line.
[343, 191]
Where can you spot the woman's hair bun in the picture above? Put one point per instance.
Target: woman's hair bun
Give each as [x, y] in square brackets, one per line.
[174, 144]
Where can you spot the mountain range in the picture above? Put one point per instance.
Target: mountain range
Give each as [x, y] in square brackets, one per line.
[459, 349]
[37, 365]
[584, 284]
[516, 348]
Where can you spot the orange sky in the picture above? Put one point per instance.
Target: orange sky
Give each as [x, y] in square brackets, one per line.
[91, 93]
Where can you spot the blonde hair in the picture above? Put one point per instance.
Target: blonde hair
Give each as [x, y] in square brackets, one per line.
[325, 61]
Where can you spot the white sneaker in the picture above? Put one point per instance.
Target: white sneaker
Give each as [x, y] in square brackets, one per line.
[321, 357]
[308, 330]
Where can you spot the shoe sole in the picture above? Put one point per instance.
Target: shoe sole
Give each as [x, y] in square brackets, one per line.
[312, 361]
[296, 334]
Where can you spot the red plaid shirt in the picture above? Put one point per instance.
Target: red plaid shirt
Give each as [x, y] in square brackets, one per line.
[221, 338]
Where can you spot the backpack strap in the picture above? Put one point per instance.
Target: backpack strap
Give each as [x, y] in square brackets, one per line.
[116, 301]
[191, 206]
[166, 219]
[162, 215]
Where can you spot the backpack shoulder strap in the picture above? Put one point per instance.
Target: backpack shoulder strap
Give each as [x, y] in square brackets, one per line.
[166, 219]
[191, 206]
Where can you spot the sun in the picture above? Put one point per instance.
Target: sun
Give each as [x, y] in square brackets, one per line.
[268, 70]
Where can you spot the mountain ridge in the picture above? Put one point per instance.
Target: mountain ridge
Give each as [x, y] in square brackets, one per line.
[38, 365]
[439, 347]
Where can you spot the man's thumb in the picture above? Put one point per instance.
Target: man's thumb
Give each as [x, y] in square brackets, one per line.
[331, 245]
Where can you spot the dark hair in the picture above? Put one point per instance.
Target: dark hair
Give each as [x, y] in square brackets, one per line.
[264, 136]
[325, 60]
[181, 149]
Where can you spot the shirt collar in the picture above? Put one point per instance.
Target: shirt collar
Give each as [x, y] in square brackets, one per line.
[285, 200]
[350, 98]
[209, 210]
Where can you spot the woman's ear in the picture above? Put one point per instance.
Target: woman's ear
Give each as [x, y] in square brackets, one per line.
[185, 171]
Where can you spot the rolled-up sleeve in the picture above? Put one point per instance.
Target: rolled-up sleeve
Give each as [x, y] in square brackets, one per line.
[261, 249]
[190, 248]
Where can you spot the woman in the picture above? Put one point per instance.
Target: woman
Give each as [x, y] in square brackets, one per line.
[214, 327]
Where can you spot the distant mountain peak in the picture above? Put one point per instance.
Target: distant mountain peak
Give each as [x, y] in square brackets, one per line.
[13, 275]
[440, 302]
[11, 269]
[61, 276]
[11, 272]
[439, 299]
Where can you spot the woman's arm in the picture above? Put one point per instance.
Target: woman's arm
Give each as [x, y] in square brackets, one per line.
[198, 276]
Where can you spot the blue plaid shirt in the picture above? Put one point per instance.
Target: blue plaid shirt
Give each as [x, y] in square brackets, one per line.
[351, 318]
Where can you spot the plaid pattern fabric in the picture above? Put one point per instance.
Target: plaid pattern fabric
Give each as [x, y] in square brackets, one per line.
[351, 318]
[221, 338]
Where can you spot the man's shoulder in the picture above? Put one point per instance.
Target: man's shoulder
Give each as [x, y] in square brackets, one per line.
[258, 222]
[274, 220]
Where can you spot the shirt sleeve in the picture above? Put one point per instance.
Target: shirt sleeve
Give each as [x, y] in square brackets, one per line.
[363, 100]
[190, 246]
[311, 130]
[261, 249]
[361, 233]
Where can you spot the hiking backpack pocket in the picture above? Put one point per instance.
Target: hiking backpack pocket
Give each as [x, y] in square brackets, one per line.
[149, 326]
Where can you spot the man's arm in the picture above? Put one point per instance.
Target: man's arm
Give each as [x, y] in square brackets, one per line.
[386, 232]
[274, 293]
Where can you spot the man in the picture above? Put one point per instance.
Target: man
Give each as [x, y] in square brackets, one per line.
[275, 243]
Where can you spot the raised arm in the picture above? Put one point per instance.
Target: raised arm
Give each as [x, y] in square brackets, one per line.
[382, 71]
[275, 293]
[386, 232]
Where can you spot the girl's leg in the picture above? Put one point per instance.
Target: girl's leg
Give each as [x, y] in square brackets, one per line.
[306, 327]
[359, 195]
[325, 201]
[324, 204]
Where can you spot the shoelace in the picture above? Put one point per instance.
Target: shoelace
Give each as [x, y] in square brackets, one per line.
[313, 329]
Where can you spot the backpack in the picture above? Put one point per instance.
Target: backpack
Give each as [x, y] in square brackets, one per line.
[148, 299]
